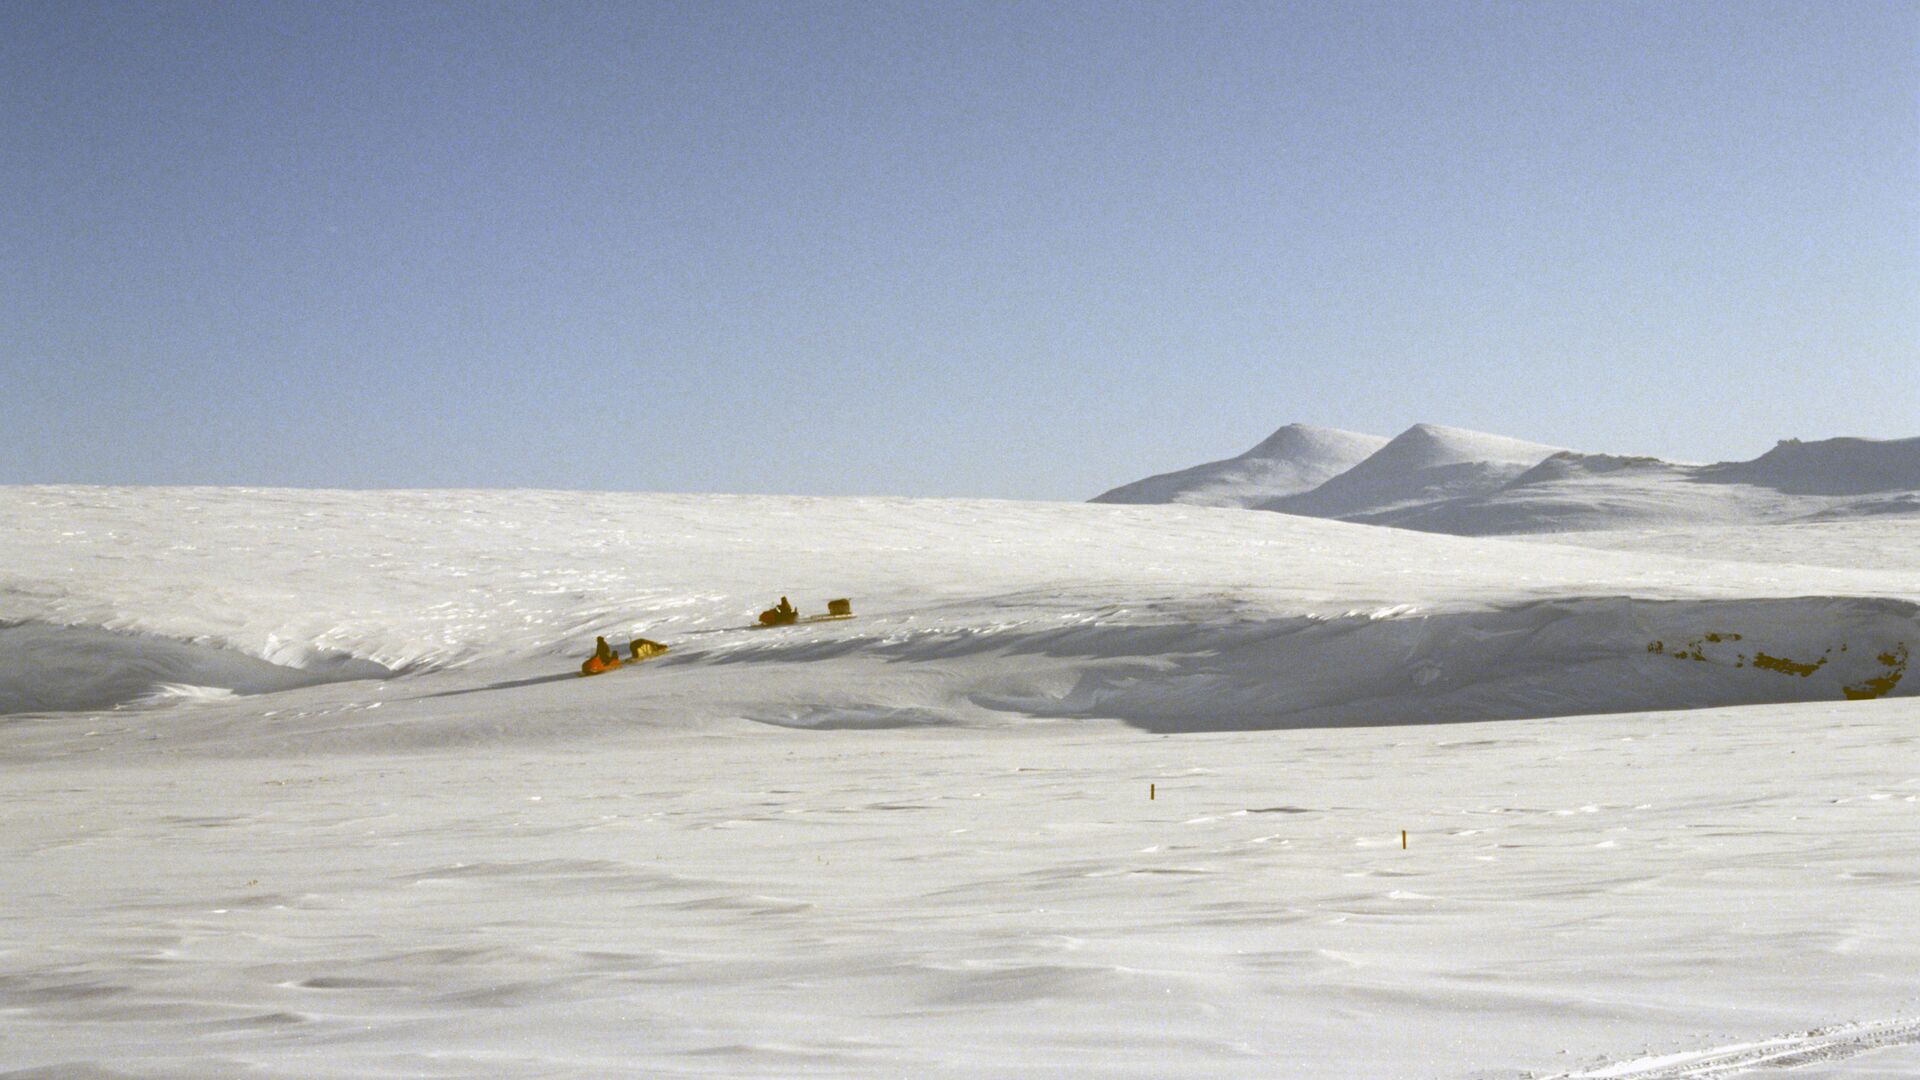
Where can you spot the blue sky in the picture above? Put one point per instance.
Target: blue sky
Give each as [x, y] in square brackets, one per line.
[1021, 250]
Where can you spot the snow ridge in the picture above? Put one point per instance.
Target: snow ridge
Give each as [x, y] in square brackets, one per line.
[1844, 466]
[1576, 655]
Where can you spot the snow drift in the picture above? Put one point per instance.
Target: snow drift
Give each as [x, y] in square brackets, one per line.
[47, 668]
[1558, 657]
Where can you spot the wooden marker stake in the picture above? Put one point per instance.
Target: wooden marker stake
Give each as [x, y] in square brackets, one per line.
[1403, 839]
[1149, 792]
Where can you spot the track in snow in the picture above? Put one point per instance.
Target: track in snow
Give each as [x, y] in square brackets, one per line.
[1786, 1052]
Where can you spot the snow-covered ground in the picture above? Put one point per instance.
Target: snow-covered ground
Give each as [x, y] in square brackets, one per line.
[300, 784]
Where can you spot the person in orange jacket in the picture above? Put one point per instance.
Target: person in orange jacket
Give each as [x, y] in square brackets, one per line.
[603, 658]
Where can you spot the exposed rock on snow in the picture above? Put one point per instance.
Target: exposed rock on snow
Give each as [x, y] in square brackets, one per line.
[1293, 459]
[1571, 465]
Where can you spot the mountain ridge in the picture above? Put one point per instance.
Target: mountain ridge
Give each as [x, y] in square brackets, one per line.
[1435, 478]
[1425, 463]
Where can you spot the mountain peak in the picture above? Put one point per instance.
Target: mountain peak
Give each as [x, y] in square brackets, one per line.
[1293, 459]
[1436, 444]
[1426, 462]
[1306, 440]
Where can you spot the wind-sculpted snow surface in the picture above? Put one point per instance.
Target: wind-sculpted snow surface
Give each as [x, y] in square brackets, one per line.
[1166, 617]
[1798, 1052]
[305, 785]
[45, 668]
[1544, 658]
[751, 901]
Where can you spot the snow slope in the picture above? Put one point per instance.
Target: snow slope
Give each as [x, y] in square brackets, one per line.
[1293, 459]
[1424, 464]
[321, 796]
[1165, 616]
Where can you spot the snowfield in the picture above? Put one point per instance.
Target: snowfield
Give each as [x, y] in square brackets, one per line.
[302, 784]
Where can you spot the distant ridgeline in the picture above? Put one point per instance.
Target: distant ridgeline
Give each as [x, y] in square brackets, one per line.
[1449, 480]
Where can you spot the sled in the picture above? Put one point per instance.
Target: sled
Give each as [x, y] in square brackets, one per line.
[801, 621]
[785, 615]
[639, 648]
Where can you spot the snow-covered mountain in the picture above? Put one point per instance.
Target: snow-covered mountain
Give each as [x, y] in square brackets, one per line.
[1423, 465]
[1843, 466]
[1831, 479]
[1449, 480]
[1294, 459]
[1577, 492]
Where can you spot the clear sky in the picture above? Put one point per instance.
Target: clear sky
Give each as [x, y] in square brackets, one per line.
[1009, 249]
